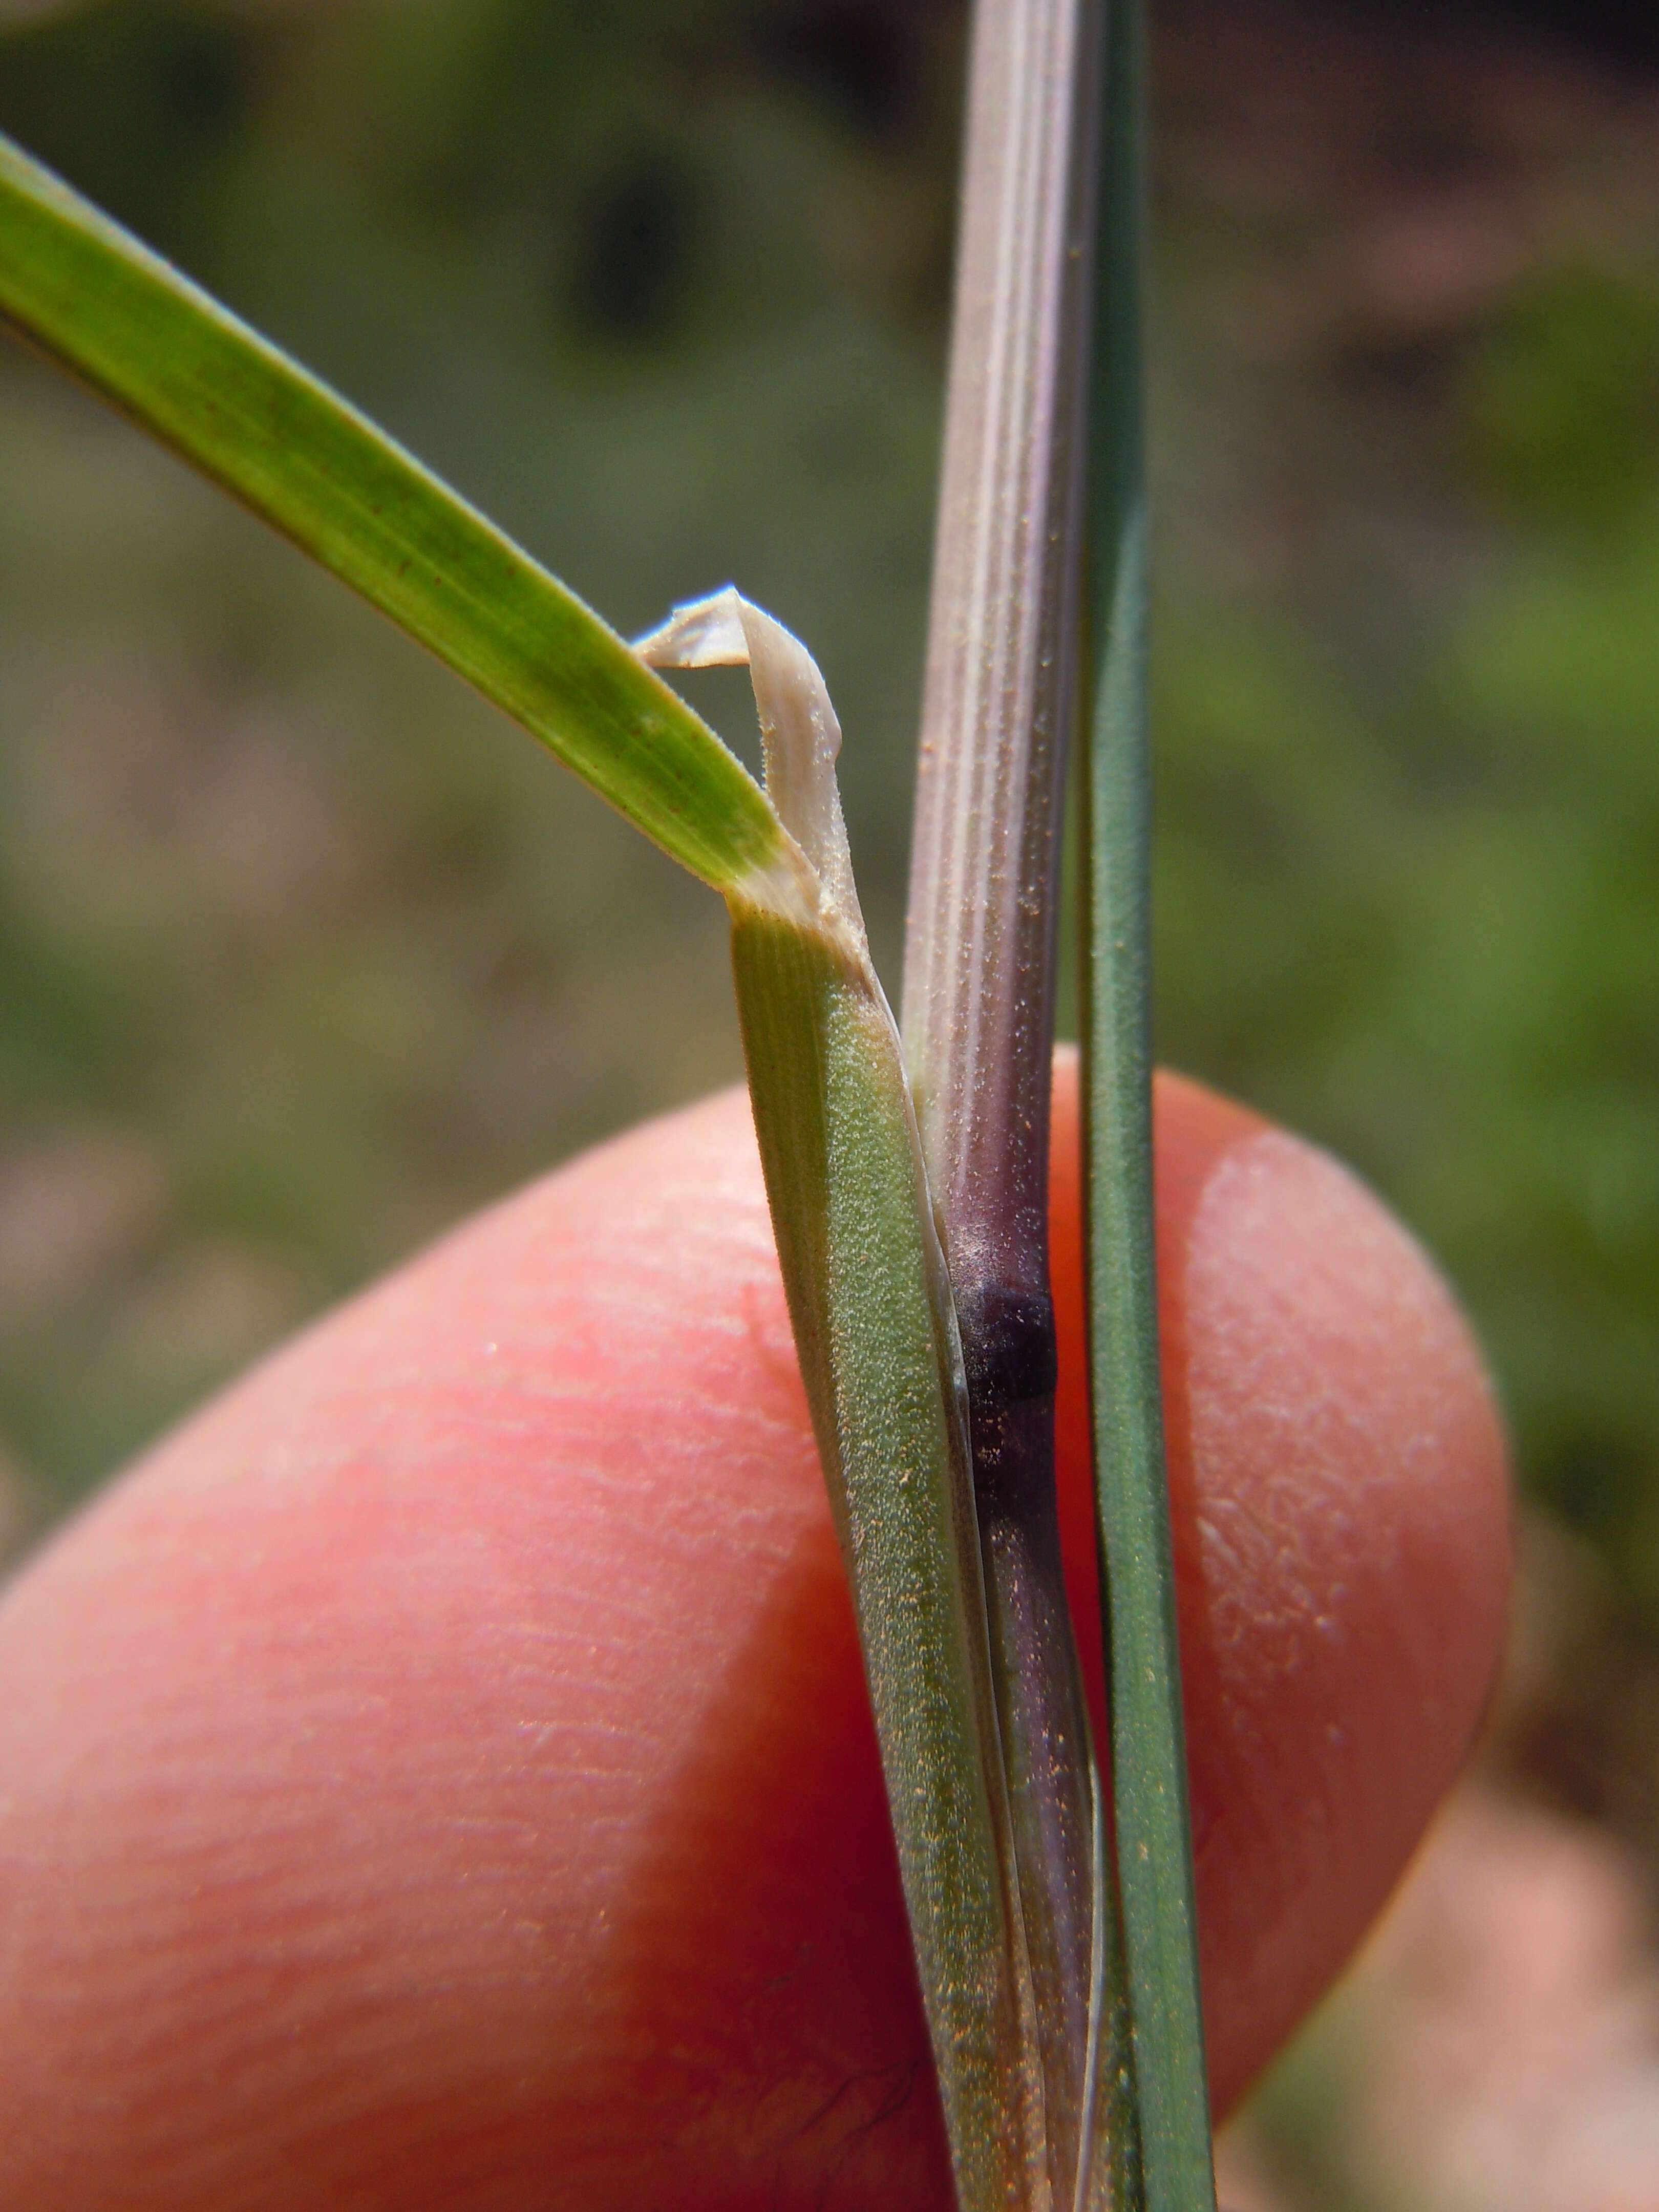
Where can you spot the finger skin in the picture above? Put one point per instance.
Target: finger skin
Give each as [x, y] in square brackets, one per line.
[440, 1775]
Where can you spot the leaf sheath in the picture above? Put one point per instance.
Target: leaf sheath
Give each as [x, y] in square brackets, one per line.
[872, 1323]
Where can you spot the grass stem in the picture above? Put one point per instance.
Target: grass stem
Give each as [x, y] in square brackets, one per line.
[999, 703]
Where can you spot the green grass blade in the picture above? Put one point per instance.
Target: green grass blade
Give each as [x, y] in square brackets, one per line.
[206, 385]
[1153, 1828]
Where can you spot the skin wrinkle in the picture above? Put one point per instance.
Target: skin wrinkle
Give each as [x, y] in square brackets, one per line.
[464, 1795]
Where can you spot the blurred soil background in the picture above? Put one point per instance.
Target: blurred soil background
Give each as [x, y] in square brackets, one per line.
[303, 953]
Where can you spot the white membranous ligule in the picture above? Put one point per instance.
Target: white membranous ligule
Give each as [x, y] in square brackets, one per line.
[801, 736]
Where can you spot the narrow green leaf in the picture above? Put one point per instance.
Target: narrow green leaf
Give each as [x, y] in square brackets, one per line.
[1153, 1829]
[205, 384]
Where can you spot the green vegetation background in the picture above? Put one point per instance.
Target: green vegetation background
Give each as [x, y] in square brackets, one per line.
[302, 953]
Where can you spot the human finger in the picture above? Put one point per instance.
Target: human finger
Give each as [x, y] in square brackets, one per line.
[441, 1773]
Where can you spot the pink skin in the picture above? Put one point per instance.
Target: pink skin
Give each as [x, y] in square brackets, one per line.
[439, 1775]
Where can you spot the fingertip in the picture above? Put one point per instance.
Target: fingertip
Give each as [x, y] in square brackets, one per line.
[441, 1773]
[1340, 1521]
[445, 1768]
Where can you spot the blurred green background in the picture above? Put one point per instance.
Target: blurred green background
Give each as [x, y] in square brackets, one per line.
[303, 953]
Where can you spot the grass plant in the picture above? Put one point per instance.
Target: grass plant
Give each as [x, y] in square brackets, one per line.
[907, 1176]
[1152, 1821]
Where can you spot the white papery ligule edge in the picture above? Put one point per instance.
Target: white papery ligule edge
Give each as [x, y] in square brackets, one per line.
[800, 737]
[801, 744]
